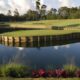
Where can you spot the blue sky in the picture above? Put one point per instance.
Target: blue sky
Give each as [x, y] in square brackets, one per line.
[24, 5]
[76, 2]
[58, 3]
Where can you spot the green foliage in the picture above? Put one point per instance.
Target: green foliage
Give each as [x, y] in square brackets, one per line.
[70, 69]
[32, 15]
[20, 71]
[15, 70]
[0, 72]
[42, 13]
[63, 12]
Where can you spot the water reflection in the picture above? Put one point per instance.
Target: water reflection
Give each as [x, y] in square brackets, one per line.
[63, 46]
[39, 43]
[48, 55]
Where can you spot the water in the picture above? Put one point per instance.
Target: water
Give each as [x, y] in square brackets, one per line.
[42, 57]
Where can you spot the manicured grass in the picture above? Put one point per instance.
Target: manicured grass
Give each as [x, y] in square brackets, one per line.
[39, 32]
[45, 23]
[49, 23]
[39, 78]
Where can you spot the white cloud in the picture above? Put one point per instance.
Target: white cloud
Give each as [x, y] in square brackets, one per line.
[24, 5]
[56, 47]
[21, 5]
[20, 48]
[65, 3]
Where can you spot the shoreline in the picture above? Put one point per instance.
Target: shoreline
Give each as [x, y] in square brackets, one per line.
[43, 38]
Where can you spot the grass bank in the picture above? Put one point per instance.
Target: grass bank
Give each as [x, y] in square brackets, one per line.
[39, 32]
[39, 78]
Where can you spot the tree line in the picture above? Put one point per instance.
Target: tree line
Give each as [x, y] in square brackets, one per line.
[41, 13]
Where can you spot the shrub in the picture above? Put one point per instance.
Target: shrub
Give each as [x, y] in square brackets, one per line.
[15, 70]
[0, 72]
[20, 71]
[77, 73]
[39, 73]
[35, 74]
[61, 73]
[42, 73]
[70, 69]
[51, 73]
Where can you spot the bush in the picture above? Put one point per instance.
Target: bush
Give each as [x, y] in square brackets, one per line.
[42, 73]
[51, 73]
[39, 73]
[15, 70]
[70, 69]
[57, 73]
[61, 73]
[20, 71]
[0, 72]
[35, 74]
[77, 73]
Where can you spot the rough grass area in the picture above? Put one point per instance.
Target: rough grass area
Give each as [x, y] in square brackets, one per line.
[39, 32]
[39, 78]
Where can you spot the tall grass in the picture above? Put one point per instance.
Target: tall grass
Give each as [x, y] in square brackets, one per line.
[70, 69]
[21, 71]
[15, 70]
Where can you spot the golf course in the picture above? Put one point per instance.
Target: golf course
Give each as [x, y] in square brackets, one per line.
[39, 39]
[43, 27]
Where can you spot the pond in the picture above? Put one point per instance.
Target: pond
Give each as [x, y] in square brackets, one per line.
[48, 57]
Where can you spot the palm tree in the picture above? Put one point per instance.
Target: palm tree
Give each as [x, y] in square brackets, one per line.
[9, 13]
[16, 13]
[53, 10]
[38, 6]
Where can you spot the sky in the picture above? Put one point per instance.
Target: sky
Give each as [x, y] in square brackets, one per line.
[24, 5]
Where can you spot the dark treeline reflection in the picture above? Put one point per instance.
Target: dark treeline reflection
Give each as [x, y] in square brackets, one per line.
[40, 43]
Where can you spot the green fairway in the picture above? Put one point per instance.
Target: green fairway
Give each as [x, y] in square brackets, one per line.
[49, 23]
[39, 32]
[46, 23]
